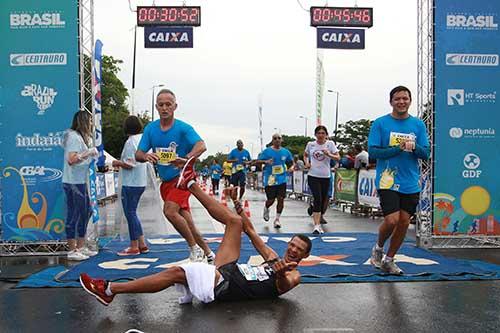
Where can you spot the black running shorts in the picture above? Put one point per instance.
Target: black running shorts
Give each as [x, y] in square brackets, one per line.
[392, 201]
[275, 191]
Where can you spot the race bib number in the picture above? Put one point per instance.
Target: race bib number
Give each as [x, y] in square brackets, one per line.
[165, 157]
[253, 273]
[396, 138]
[239, 167]
[278, 169]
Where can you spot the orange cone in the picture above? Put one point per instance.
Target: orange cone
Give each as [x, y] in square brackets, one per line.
[246, 208]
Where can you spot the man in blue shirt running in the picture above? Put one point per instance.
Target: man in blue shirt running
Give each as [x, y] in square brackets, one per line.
[277, 160]
[397, 140]
[240, 158]
[172, 142]
[215, 172]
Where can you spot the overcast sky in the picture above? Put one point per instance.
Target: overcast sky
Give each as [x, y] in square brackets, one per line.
[268, 48]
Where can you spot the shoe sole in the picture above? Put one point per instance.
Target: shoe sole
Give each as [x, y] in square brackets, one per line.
[277, 226]
[103, 302]
[128, 254]
[374, 264]
[182, 172]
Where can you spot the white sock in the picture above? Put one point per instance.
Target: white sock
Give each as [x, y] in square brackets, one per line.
[378, 247]
[108, 291]
[387, 258]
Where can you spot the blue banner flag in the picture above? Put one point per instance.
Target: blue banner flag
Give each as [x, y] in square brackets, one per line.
[97, 79]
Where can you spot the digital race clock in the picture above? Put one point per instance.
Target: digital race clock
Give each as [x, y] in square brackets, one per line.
[341, 16]
[169, 15]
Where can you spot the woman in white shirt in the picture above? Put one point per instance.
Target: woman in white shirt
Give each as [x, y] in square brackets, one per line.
[317, 156]
[77, 157]
[134, 181]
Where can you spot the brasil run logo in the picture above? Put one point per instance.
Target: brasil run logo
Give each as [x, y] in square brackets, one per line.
[43, 96]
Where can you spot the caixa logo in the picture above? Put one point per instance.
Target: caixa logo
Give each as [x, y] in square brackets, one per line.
[471, 163]
[29, 20]
[39, 173]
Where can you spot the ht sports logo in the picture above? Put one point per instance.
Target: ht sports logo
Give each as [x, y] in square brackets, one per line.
[471, 164]
[459, 97]
[43, 96]
[36, 20]
[470, 59]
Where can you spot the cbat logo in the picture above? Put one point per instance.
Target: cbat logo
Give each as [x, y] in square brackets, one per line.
[470, 22]
[32, 19]
[42, 96]
[37, 173]
[171, 37]
[456, 132]
[461, 59]
[342, 37]
[460, 97]
[456, 97]
[472, 133]
[471, 163]
[37, 59]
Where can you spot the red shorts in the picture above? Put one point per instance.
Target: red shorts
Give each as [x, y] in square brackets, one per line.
[169, 192]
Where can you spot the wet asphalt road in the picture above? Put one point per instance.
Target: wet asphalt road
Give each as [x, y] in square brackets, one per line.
[441, 306]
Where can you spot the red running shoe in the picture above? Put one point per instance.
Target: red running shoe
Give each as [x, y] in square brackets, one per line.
[96, 287]
[188, 175]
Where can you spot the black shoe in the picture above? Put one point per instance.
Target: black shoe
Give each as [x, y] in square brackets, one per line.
[310, 210]
[322, 220]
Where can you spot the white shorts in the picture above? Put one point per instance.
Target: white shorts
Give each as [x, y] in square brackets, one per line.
[200, 279]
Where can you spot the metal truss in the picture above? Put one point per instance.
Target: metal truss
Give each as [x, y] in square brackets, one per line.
[465, 241]
[33, 249]
[85, 47]
[425, 100]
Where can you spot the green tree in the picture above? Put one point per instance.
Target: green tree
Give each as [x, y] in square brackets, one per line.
[295, 143]
[353, 132]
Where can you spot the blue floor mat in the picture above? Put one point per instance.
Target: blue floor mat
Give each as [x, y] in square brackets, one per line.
[335, 257]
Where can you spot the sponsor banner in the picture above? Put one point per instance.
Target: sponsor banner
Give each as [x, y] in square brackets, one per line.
[39, 95]
[336, 38]
[289, 181]
[462, 59]
[298, 179]
[38, 59]
[466, 186]
[345, 185]
[367, 191]
[97, 77]
[168, 37]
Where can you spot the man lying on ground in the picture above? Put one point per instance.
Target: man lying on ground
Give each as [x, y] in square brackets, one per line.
[227, 280]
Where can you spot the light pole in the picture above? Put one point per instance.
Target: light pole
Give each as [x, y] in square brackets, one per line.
[336, 114]
[153, 100]
[305, 130]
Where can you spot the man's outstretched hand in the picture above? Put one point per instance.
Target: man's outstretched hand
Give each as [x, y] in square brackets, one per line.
[281, 267]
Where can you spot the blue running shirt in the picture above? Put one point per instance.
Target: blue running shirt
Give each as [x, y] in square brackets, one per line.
[241, 156]
[400, 172]
[175, 142]
[275, 174]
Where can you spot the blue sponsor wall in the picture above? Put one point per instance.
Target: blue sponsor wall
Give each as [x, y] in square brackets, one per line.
[467, 117]
[38, 97]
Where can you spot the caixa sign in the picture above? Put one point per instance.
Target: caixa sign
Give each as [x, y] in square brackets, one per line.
[168, 37]
[334, 38]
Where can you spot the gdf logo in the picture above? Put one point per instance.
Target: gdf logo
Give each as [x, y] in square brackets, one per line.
[471, 163]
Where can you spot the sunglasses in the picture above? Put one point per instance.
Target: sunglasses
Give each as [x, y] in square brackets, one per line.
[276, 137]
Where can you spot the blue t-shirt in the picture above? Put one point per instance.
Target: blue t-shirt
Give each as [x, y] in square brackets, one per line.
[77, 173]
[275, 174]
[241, 156]
[215, 171]
[175, 142]
[205, 171]
[137, 176]
[400, 172]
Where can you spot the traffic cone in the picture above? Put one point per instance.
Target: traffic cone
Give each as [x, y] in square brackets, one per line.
[246, 208]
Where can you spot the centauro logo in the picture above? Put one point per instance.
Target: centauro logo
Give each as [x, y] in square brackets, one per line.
[30, 19]
[37, 59]
[462, 59]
